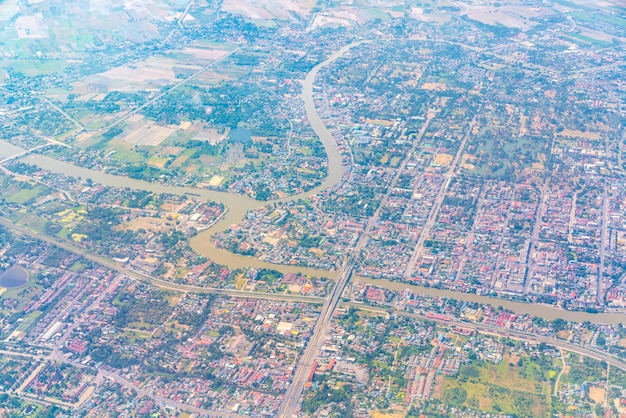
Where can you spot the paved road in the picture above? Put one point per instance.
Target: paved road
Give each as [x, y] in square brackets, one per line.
[534, 238]
[604, 225]
[330, 303]
[64, 113]
[162, 400]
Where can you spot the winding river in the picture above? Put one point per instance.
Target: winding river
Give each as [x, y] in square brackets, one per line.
[237, 206]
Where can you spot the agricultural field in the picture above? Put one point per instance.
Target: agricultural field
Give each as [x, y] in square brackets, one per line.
[270, 10]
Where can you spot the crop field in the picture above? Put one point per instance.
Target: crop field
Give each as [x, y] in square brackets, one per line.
[269, 10]
[212, 78]
[123, 151]
[148, 133]
[595, 19]
[154, 72]
[581, 39]
[203, 54]
[127, 78]
[506, 16]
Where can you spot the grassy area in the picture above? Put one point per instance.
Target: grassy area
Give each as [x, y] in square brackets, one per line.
[135, 336]
[583, 370]
[24, 195]
[596, 18]
[378, 13]
[30, 220]
[213, 44]
[240, 282]
[157, 161]
[510, 387]
[28, 320]
[78, 267]
[64, 233]
[32, 68]
[306, 151]
[124, 152]
[395, 161]
[583, 40]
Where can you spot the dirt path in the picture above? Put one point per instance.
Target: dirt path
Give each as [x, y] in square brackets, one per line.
[558, 377]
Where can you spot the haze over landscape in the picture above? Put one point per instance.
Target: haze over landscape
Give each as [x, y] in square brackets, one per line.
[301, 208]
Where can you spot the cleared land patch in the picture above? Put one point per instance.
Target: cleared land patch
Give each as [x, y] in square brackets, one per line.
[148, 133]
[580, 134]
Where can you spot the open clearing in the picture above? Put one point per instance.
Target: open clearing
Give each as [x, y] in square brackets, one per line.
[145, 222]
[204, 54]
[510, 387]
[269, 9]
[434, 86]
[443, 159]
[580, 134]
[379, 414]
[126, 78]
[596, 394]
[510, 16]
[148, 133]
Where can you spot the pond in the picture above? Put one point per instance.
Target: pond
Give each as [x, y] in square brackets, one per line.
[241, 135]
[15, 276]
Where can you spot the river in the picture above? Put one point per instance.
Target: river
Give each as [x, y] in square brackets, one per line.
[237, 206]
[536, 309]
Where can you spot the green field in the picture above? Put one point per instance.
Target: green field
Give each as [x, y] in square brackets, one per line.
[599, 18]
[586, 40]
[124, 152]
[28, 320]
[31, 68]
[378, 13]
[587, 370]
[517, 386]
[24, 195]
